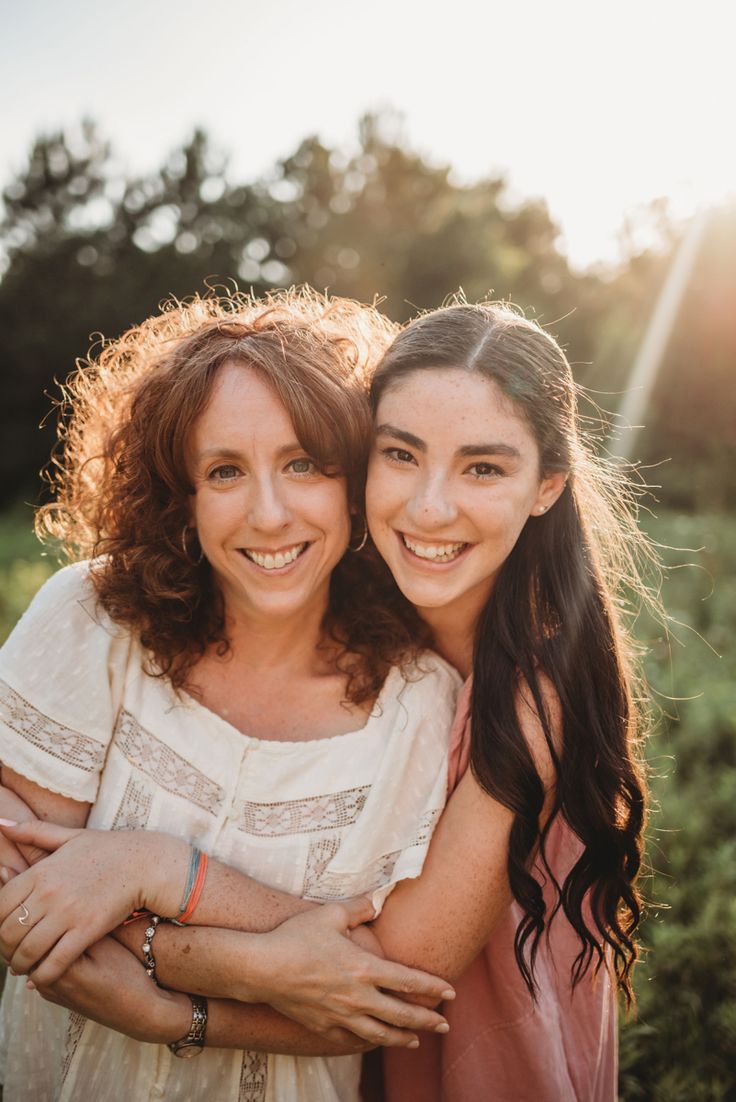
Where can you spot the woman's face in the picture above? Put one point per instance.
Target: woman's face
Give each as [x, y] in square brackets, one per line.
[271, 525]
[453, 478]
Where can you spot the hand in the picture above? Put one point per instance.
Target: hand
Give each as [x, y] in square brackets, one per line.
[314, 972]
[80, 892]
[108, 985]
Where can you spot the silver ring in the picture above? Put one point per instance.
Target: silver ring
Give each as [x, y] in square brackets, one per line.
[24, 917]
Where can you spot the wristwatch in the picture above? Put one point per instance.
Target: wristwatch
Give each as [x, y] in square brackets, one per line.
[193, 1043]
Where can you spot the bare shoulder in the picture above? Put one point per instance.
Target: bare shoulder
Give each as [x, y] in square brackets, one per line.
[531, 725]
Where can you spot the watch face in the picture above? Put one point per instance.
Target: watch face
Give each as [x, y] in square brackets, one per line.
[187, 1051]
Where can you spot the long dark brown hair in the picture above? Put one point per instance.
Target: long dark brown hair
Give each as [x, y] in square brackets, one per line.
[122, 488]
[557, 610]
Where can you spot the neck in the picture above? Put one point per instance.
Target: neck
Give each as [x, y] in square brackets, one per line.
[453, 638]
[268, 644]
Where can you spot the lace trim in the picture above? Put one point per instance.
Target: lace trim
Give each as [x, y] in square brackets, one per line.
[74, 1032]
[61, 742]
[326, 886]
[135, 807]
[164, 766]
[330, 812]
[253, 1077]
[320, 853]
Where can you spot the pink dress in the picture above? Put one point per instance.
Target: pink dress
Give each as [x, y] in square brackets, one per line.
[501, 1047]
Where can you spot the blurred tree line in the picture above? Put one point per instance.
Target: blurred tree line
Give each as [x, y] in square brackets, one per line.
[88, 251]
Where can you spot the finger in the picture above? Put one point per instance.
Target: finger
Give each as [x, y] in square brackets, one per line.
[35, 832]
[410, 981]
[7, 874]
[356, 911]
[406, 1015]
[32, 854]
[35, 944]
[10, 856]
[65, 952]
[378, 1033]
[15, 923]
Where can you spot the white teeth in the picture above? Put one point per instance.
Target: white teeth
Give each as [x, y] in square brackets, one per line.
[277, 560]
[442, 551]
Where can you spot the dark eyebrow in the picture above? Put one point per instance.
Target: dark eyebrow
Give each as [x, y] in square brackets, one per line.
[474, 450]
[468, 451]
[401, 434]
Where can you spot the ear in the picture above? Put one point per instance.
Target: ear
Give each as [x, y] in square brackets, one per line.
[550, 489]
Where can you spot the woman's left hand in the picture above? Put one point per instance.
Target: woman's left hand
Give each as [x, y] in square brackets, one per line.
[108, 985]
[52, 912]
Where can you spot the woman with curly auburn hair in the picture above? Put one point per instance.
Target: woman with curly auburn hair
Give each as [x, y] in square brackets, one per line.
[223, 679]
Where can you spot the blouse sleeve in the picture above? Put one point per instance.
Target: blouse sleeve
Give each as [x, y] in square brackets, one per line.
[61, 678]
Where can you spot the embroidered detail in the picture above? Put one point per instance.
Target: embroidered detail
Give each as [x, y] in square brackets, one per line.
[135, 806]
[165, 766]
[46, 734]
[74, 1032]
[253, 1077]
[330, 812]
[321, 852]
[327, 886]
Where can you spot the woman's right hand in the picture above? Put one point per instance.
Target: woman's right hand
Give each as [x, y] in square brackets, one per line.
[311, 969]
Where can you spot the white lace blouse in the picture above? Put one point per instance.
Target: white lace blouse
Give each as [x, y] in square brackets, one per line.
[324, 819]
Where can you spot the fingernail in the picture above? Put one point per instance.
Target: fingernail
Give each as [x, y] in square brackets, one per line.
[5, 874]
[30, 985]
[8, 822]
[443, 1027]
[12, 972]
[449, 994]
[413, 1044]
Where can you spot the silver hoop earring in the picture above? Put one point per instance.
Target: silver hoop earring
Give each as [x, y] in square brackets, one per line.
[185, 549]
[364, 540]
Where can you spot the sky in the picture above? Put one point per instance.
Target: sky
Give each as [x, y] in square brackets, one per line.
[595, 107]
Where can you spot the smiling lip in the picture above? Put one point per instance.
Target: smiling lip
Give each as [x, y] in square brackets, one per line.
[434, 553]
[276, 561]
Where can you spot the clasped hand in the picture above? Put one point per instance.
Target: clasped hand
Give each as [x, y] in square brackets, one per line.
[53, 911]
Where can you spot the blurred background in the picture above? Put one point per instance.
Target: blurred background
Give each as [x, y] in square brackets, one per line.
[574, 158]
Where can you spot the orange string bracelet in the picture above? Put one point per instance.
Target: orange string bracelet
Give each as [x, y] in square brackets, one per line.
[196, 892]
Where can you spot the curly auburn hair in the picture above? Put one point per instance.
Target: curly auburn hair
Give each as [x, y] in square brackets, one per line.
[122, 488]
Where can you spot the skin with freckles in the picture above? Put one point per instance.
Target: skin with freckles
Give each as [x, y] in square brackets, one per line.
[454, 476]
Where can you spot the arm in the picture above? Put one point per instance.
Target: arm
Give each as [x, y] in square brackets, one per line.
[314, 973]
[148, 1013]
[441, 920]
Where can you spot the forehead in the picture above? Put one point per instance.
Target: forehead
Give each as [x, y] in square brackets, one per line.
[451, 404]
[242, 401]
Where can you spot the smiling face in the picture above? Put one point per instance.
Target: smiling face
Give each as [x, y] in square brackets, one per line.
[271, 524]
[454, 476]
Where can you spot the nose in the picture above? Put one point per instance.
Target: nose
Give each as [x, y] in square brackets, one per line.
[268, 509]
[431, 505]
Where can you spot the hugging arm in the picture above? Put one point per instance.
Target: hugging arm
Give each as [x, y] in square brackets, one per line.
[315, 972]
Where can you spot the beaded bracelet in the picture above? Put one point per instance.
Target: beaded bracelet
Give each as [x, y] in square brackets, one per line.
[149, 961]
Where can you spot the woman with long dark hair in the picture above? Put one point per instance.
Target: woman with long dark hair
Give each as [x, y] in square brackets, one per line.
[517, 546]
